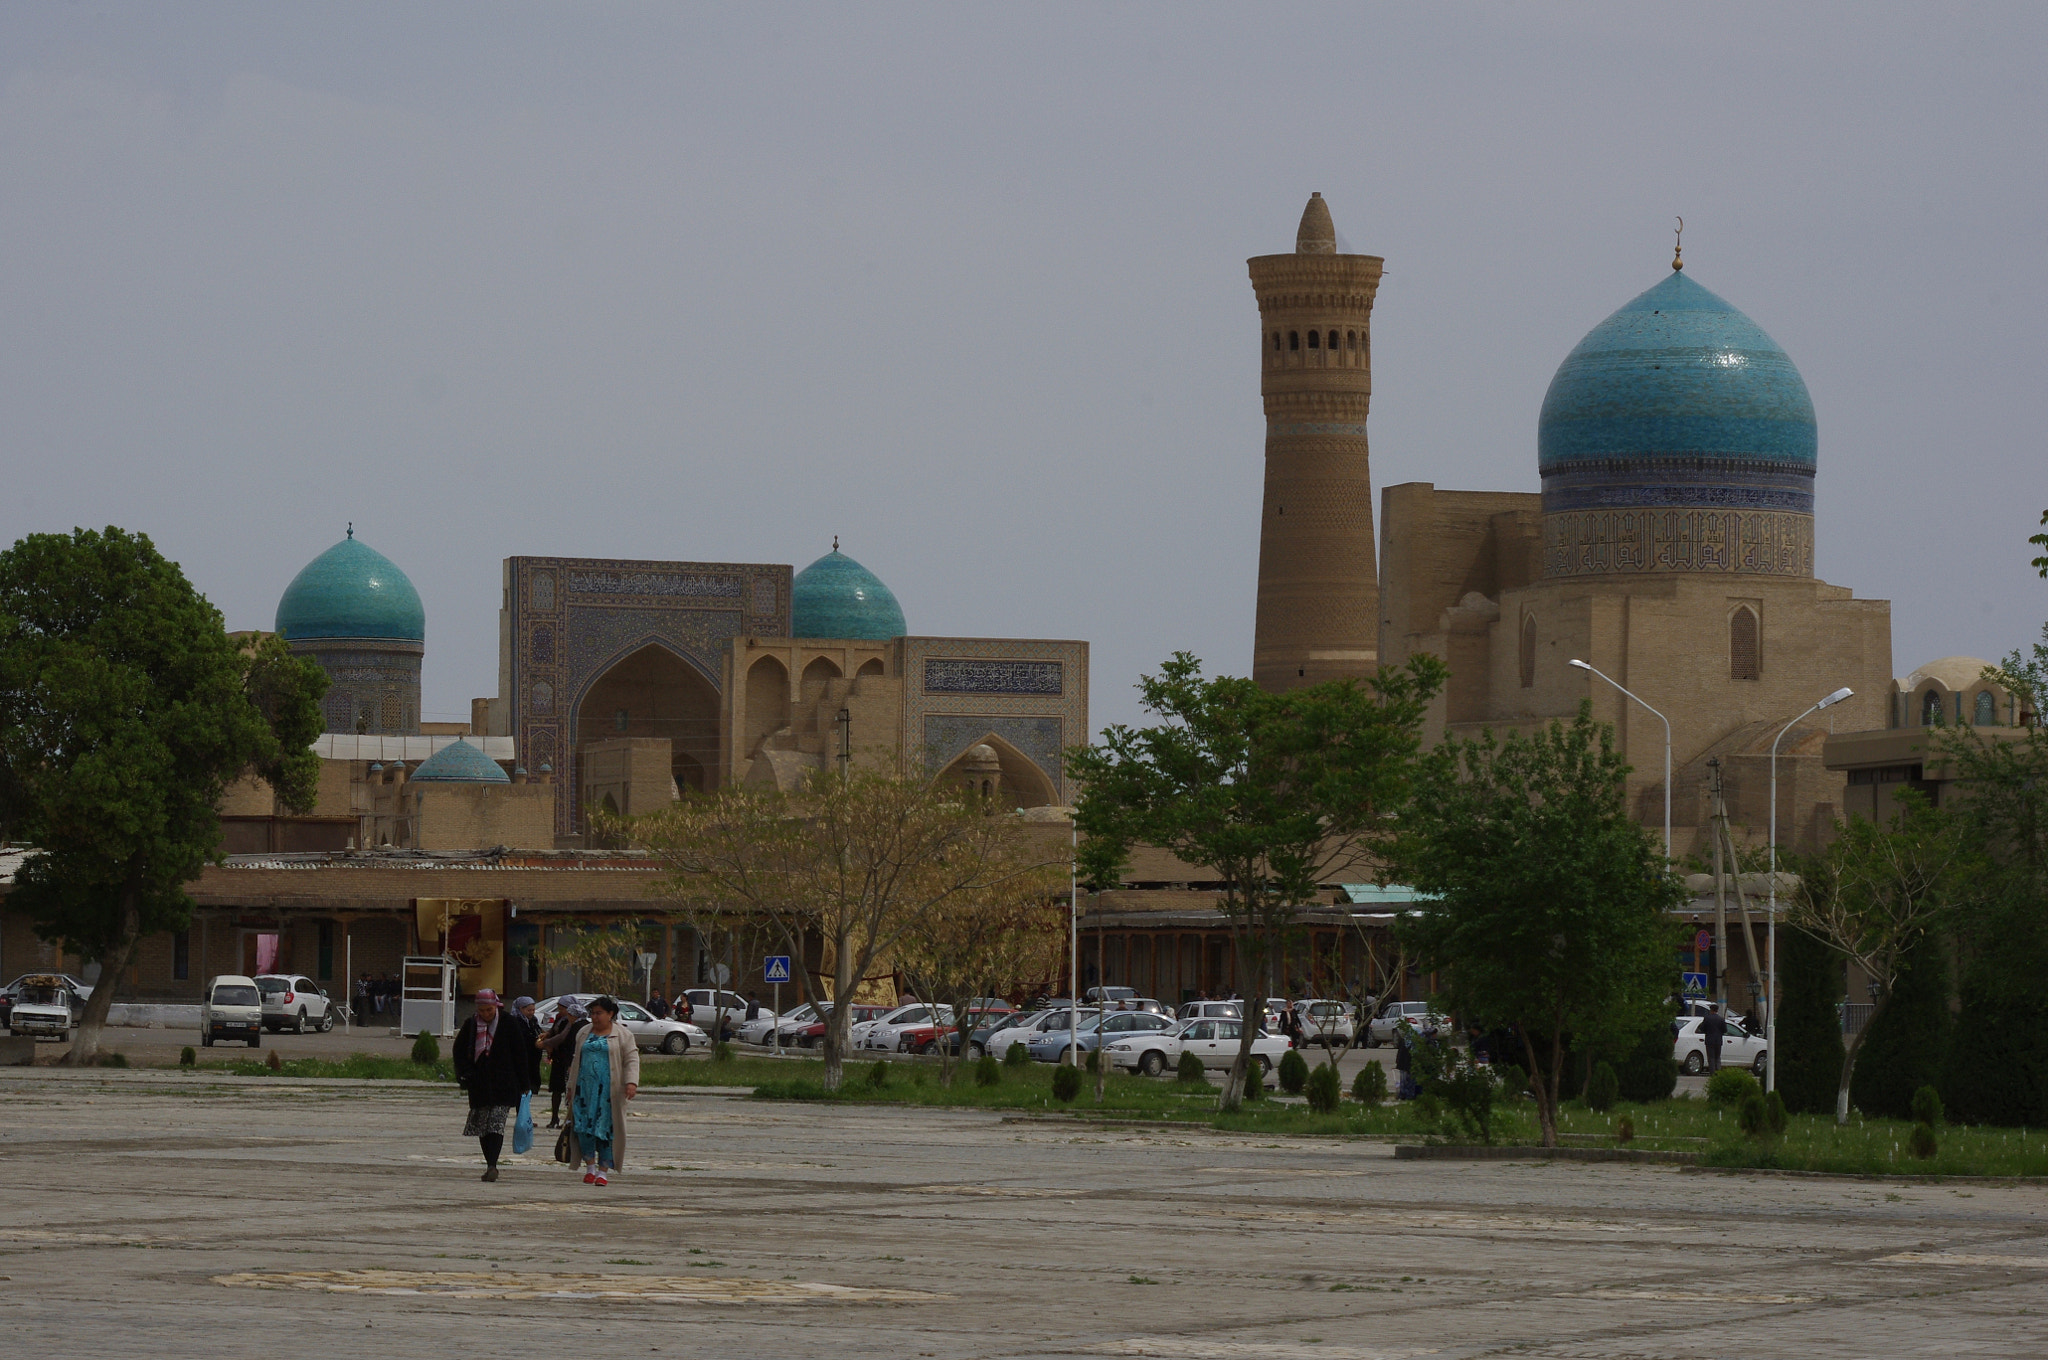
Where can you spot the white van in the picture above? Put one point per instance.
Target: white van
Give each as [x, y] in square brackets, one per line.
[233, 1009]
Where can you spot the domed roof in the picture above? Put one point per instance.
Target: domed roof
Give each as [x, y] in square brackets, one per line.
[1677, 399]
[1951, 672]
[837, 597]
[351, 591]
[460, 763]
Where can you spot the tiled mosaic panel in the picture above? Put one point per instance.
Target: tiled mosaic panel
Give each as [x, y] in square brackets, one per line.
[953, 675]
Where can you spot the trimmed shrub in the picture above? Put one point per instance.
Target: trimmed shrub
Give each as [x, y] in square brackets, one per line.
[1094, 1060]
[1514, 1082]
[1603, 1088]
[722, 1052]
[1647, 1072]
[987, 1071]
[1906, 1044]
[1922, 1143]
[1809, 1030]
[1774, 1113]
[1926, 1108]
[878, 1073]
[1997, 1069]
[1624, 1130]
[275, 1062]
[1016, 1055]
[121, 1059]
[1370, 1085]
[1254, 1083]
[425, 1051]
[1189, 1070]
[1066, 1084]
[1293, 1071]
[1751, 1117]
[1730, 1085]
[1325, 1089]
[187, 1057]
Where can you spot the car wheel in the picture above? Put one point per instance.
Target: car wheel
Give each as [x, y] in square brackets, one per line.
[327, 1020]
[300, 1028]
[677, 1042]
[1265, 1065]
[1694, 1064]
[1761, 1065]
[1153, 1063]
[976, 1052]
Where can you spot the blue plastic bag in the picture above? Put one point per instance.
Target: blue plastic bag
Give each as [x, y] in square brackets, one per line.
[522, 1129]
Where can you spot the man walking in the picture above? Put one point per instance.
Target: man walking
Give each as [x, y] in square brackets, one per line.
[1713, 1030]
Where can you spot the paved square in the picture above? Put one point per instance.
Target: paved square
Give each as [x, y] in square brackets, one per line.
[160, 1215]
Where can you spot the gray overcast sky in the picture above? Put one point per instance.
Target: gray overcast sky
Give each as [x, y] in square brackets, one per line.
[965, 284]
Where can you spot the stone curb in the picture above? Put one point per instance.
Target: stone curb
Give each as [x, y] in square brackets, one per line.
[1410, 1152]
[1931, 1178]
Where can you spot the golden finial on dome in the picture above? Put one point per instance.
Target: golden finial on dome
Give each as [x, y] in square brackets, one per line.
[1678, 247]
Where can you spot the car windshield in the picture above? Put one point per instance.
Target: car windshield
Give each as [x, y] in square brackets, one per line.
[272, 986]
[235, 996]
[40, 996]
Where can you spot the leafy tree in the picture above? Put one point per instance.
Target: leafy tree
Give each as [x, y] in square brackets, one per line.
[2040, 563]
[856, 862]
[1548, 907]
[1271, 793]
[1874, 895]
[125, 711]
[1809, 1057]
[1903, 1045]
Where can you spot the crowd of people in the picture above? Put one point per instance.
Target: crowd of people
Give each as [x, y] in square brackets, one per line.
[592, 1062]
[374, 996]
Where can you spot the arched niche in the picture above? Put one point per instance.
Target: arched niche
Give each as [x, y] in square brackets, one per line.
[652, 692]
[872, 666]
[1024, 785]
[818, 677]
[767, 703]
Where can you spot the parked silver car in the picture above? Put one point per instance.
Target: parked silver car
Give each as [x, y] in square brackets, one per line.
[1416, 1013]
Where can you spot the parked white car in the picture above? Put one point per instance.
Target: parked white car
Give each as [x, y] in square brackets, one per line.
[881, 1035]
[997, 1032]
[42, 1006]
[708, 1003]
[1034, 1024]
[649, 1031]
[791, 1023]
[1210, 1010]
[1214, 1042]
[1416, 1013]
[232, 1009]
[1739, 1048]
[1325, 1023]
[293, 1001]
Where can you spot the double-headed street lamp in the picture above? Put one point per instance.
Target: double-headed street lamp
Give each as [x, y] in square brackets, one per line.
[1667, 746]
[1771, 1016]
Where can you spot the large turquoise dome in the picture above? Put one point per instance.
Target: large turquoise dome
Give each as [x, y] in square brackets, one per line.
[459, 762]
[1678, 400]
[351, 591]
[837, 597]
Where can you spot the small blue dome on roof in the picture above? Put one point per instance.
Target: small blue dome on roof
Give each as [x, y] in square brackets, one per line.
[351, 591]
[837, 597]
[1677, 399]
[459, 762]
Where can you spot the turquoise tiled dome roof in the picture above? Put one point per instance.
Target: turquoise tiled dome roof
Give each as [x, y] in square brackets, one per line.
[351, 591]
[460, 763]
[837, 597]
[1677, 399]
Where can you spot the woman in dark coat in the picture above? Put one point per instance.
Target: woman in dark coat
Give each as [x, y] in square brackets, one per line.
[559, 1043]
[496, 1063]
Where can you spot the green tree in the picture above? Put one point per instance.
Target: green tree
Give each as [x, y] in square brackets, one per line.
[1903, 1045]
[1875, 895]
[1548, 907]
[1809, 1057]
[1271, 793]
[125, 711]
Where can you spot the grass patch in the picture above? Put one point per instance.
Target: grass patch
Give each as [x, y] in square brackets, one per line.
[363, 1066]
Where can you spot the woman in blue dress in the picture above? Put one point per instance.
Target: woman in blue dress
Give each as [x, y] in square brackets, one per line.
[603, 1076]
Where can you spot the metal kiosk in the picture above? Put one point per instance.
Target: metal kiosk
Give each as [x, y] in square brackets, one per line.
[427, 996]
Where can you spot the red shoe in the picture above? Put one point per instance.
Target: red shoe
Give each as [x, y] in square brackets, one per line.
[600, 1180]
[590, 1178]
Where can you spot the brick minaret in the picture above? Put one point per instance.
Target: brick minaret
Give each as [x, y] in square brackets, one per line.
[1318, 582]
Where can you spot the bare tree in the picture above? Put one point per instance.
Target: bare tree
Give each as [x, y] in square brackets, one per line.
[856, 861]
[1876, 892]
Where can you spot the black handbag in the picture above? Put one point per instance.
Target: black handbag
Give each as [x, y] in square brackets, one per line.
[562, 1147]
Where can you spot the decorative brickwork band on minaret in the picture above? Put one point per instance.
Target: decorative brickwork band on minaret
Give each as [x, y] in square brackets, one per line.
[1318, 613]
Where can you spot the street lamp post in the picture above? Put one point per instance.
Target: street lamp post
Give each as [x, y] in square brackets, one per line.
[1667, 746]
[1074, 944]
[1771, 1015]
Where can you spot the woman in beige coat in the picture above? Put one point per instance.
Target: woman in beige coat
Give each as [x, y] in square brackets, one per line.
[603, 1075]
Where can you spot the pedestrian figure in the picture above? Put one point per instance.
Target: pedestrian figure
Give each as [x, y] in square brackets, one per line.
[658, 1005]
[1713, 1030]
[604, 1074]
[362, 998]
[559, 1044]
[1404, 1062]
[495, 1063]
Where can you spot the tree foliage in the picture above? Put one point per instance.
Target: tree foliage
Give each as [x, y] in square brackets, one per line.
[1548, 909]
[125, 711]
[1271, 793]
[855, 863]
[1809, 1038]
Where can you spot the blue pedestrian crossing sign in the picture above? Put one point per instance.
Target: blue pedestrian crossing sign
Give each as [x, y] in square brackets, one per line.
[1695, 985]
[775, 968]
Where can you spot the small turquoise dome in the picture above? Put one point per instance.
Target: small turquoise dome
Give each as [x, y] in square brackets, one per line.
[1678, 399]
[460, 763]
[351, 591]
[837, 597]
